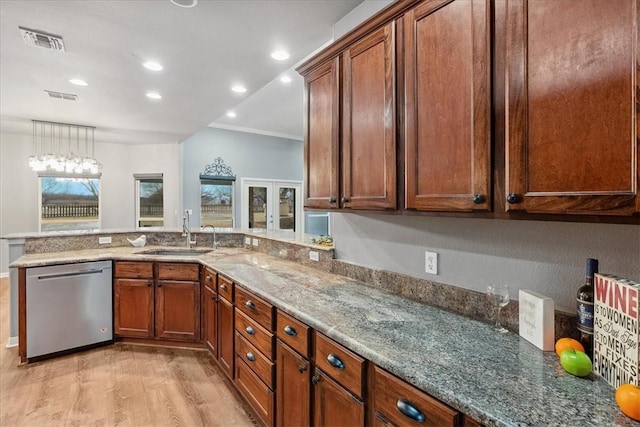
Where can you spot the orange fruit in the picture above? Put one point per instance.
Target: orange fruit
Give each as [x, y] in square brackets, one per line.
[565, 343]
[628, 398]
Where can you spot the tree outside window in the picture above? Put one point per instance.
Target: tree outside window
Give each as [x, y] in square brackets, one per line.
[216, 203]
[149, 200]
[69, 203]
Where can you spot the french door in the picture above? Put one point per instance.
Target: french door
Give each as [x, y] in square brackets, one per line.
[272, 205]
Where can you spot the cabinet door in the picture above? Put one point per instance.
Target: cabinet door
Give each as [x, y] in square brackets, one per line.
[293, 392]
[321, 137]
[447, 106]
[178, 310]
[571, 87]
[133, 308]
[225, 336]
[210, 304]
[369, 131]
[333, 405]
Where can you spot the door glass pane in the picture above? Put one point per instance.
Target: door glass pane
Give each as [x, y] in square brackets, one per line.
[257, 207]
[216, 203]
[151, 203]
[69, 203]
[287, 208]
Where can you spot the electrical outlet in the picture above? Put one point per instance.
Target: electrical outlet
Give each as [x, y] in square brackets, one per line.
[431, 262]
[314, 256]
[255, 242]
[104, 240]
[189, 211]
[247, 241]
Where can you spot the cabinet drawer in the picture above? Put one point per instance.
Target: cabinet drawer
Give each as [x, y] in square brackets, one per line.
[258, 336]
[209, 279]
[225, 288]
[404, 405]
[258, 362]
[293, 333]
[256, 308]
[259, 396]
[178, 271]
[339, 363]
[134, 270]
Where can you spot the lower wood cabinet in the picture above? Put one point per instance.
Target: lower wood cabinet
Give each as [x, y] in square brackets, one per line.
[225, 336]
[293, 387]
[133, 308]
[333, 405]
[259, 396]
[210, 319]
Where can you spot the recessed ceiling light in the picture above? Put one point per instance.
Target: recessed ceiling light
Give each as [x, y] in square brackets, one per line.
[185, 3]
[151, 65]
[285, 79]
[231, 114]
[78, 82]
[280, 55]
[154, 95]
[239, 89]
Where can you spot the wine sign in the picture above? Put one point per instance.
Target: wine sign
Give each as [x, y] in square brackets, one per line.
[536, 319]
[616, 329]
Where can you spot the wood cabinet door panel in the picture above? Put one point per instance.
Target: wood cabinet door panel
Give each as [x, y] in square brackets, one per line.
[293, 392]
[571, 106]
[369, 119]
[322, 136]
[210, 316]
[447, 106]
[259, 396]
[333, 405]
[225, 336]
[392, 396]
[133, 308]
[178, 310]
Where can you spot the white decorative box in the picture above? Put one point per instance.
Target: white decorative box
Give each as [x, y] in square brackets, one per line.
[537, 319]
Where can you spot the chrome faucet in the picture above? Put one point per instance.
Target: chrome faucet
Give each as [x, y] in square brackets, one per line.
[186, 228]
[215, 241]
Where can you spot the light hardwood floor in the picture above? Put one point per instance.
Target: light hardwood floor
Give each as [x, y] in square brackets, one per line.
[118, 385]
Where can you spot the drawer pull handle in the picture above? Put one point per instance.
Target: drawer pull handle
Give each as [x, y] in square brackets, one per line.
[251, 357]
[250, 330]
[290, 331]
[302, 368]
[250, 304]
[213, 297]
[208, 278]
[407, 409]
[223, 287]
[335, 361]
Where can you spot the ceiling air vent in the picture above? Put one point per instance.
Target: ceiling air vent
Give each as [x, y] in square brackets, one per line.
[42, 39]
[60, 95]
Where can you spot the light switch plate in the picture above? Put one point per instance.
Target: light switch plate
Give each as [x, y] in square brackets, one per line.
[255, 242]
[431, 262]
[314, 256]
[104, 240]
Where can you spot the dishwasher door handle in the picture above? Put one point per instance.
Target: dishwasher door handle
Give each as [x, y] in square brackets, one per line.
[70, 274]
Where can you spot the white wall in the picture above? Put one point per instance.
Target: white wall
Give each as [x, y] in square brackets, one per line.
[544, 256]
[364, 11]
[19, 184]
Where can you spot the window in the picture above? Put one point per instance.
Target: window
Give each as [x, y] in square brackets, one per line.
[149, 200]
[69, 202]
[216, 202]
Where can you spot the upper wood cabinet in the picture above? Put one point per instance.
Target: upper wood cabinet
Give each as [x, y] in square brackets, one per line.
[322, 132]
[571, 87]
[369, 131]
[447, 106]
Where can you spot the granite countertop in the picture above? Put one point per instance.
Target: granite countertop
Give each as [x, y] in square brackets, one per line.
[497, 379]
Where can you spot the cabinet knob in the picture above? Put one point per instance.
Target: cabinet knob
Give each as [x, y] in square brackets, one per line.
[290, 331]
[250, 304]
[251, 357]
[223, 287]
[345, 200]
[149, 282]
[332, 200]
[407, 409]
[335, 361]
[250, 330]
[302, 368]
[478, 199]
[159, 284]
[209, 278]
[213, 297]
[513, 198]
[315, 379]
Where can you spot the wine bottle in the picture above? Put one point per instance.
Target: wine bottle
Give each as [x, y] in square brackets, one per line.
[585, 308]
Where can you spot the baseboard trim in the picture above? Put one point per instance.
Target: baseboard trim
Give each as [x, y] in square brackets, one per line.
[12, 342]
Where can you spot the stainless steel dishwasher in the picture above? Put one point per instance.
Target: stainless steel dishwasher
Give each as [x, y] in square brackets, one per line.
[68, 306]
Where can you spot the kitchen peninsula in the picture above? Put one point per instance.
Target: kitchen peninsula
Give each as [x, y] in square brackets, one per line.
[478, 374]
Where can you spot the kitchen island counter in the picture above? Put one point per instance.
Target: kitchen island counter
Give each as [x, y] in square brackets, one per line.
[497, 379]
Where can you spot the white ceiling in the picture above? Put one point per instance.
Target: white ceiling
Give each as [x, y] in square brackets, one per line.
[204, 50]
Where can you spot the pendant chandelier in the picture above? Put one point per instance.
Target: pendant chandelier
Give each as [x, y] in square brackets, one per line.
[62, 147]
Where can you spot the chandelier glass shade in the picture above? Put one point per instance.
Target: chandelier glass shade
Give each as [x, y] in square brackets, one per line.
[64, 148]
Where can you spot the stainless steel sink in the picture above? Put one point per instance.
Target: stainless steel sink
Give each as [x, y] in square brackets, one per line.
[175, 252]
